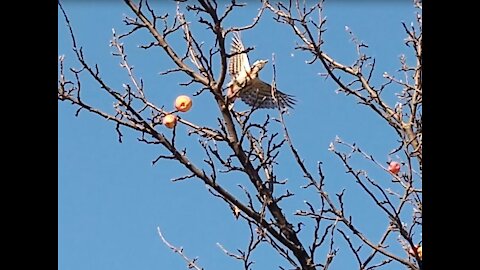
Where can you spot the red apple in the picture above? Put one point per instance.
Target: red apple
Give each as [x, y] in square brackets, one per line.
[419, 251]
[394, 167]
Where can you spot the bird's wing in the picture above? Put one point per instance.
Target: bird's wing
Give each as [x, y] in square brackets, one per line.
[258, 94]
[239, 65]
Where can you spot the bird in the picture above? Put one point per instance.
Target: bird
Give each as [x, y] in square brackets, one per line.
[246, 84]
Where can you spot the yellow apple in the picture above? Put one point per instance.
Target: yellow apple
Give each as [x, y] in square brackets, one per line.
[170, 120]
[183, 103]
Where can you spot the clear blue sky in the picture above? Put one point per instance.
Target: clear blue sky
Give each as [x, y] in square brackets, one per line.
[110, 197]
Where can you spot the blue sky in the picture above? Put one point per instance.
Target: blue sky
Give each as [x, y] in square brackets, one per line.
[111, 198]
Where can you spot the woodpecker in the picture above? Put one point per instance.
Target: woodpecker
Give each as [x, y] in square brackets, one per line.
[246, 84]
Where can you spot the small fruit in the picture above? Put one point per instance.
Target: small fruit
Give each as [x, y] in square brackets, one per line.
[394, 167]
[419, 251]
[183, 103]
[170, 120]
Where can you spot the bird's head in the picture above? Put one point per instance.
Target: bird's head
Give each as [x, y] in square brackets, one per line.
[259, 64]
